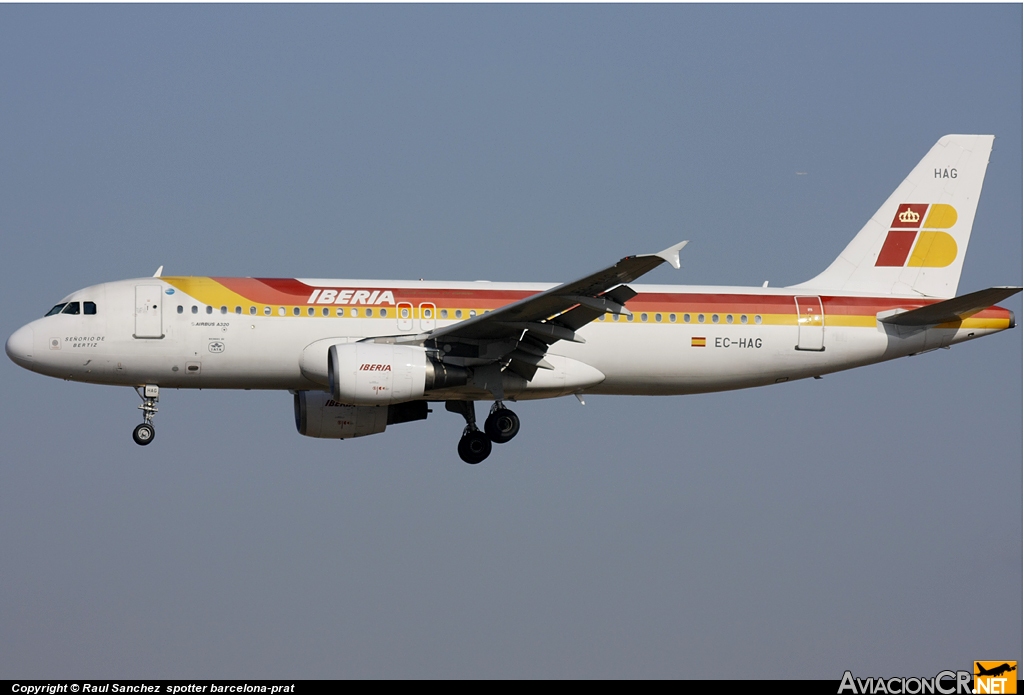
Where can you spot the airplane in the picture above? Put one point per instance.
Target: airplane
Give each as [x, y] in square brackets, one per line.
[995, 671]
[361, 355]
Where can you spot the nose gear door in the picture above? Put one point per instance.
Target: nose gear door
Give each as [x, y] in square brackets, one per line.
[149, 321]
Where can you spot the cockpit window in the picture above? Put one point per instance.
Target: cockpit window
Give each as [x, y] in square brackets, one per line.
[72, 308]
[55, 310]
[89, 308]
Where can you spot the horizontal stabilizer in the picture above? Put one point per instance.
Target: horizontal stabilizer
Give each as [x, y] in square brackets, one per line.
[956, 309]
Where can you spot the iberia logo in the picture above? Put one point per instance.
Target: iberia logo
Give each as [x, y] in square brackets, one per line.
[918, 226]
[995, 677]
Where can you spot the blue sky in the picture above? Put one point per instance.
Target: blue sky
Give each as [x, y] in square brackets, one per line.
[868, 521]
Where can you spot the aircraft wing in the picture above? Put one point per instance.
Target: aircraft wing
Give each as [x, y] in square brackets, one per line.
[956, 309]
[523, 330]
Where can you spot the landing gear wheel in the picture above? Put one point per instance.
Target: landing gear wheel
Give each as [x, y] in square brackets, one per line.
[143, 434]
[474, 447]
[501, 425]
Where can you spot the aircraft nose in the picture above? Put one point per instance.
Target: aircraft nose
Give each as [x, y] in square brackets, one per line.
[19, 346]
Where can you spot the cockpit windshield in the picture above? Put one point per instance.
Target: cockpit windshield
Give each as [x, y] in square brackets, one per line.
[73, 308]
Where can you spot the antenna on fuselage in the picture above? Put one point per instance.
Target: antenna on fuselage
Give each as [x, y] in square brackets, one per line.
[158, 272]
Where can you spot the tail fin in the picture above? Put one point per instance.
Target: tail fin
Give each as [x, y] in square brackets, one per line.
[916, 242]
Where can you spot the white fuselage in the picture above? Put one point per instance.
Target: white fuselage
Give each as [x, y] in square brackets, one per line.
[679, 339]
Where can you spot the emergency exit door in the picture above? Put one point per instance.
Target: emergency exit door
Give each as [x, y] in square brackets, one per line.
[810, 321]
[149, 321]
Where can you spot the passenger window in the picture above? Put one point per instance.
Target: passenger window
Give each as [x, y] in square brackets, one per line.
[743, 318]
[629, 317]
[295, 311]
[427, 313]
[280, 311]
[728, 319]
[195, 310]
[310, 311]
[55, 310]
[223, 310]
[458, 313]
[384, 312]
[672, 318]
[404, 312]
[181, 309]
[89, 308]
[657, 317]
[714, 318]
[686, 318]
[71, 308]
[444, 313]
[354, 313]
[238, 310]
[472, 312]
[339, 311]
[369, 313]
[643, 317]
[252, 311]
[615, 317]
[700, 318]
[266, 311]
[209, 310]
[757, 319]
[326, 311]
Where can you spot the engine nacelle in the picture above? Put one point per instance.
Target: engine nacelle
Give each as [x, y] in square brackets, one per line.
[382, 373]
[319, 415]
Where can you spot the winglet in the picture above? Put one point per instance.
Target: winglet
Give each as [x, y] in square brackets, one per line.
[671, 254]
[158, 272]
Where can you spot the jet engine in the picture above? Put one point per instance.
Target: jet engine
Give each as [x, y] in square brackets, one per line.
[373, 374]
[319, 415]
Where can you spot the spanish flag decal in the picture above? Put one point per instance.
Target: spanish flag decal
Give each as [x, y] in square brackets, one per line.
[698, 342]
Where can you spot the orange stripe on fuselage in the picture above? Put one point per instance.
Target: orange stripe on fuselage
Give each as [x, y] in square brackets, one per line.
[774, 309]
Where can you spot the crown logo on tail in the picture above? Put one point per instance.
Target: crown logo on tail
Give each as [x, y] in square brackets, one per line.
[909, 215]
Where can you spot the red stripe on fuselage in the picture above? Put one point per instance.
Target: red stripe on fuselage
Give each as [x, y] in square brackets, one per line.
[288, 291]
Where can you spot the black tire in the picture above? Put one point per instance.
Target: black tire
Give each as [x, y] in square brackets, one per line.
[143, 434]
[474, 447]
[501, 425]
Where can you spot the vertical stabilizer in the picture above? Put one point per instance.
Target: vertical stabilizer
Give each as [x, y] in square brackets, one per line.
[916, 242]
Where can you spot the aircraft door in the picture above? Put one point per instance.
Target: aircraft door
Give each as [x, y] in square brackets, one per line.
[810, 320]
[149, 322]
[428, 316]
[404, 310]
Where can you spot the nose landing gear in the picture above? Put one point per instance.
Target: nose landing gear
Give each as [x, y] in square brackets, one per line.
[501, 426]
[144, 433]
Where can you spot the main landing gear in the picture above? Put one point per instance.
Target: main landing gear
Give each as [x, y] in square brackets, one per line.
[500, 426]
[144, 433]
